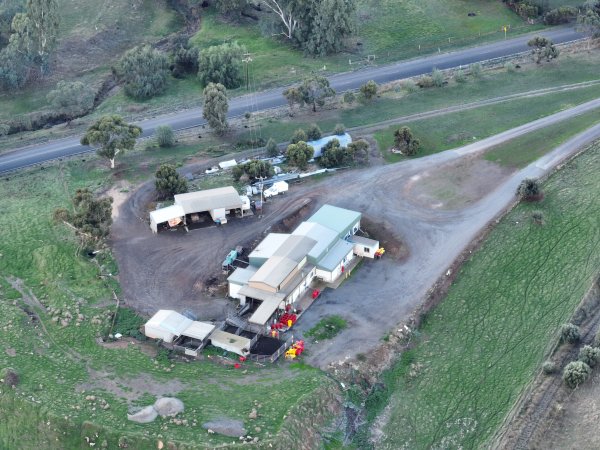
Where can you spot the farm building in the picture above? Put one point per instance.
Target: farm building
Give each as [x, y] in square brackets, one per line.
[190, 336]
[188, 207]
[317, 145]
[283, 266]
[364, 246]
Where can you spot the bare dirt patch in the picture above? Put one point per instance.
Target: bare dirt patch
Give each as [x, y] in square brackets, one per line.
[457, 184]
[146, 348]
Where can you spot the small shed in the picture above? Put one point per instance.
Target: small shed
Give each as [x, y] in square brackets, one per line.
[171, 215]
[364, 247]
[168, 326]
[234, 343]
[317, 145]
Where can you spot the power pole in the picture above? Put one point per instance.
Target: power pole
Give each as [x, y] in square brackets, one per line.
[247, 59]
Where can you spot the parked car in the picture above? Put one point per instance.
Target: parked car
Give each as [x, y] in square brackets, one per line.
[278, 187]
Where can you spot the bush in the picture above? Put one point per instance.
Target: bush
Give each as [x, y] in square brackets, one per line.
[298, 136]
[476, 70]
[165, 136]
[128, 323]
[510, 67]
[299, 154]
[409, 86]
[576, 373]
[406, 142]
[169, 182]
[369, 90]
[339, 129]
[313, 132]
[589, 355]
[459, 76]
[570, 333]
[221, 64]
[437, 78]
[9, 376]
[549, 368]
[144, 71]
[349, 97]
[4, 129]
[271, 148]
[72, 99]
[564, 14]
[185, 62]
[425, 82]
[529, 189]
[538, 217]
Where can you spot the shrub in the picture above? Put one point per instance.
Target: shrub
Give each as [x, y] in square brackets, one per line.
[425, 82]
[510, 67]
[369, 90]
[221, 64]
[169, 182]
[406, 142]
[563, 14]
[9, 376]
[299, 135]
[459, 76]
[4, 129]
[339, 129]
[570, 333]
[185, 62]
[538, 217]
[576, 373]
[589, 355]
[271, 148]
[144, 71]
[128, 323]
[299, 154]
[409, 86]
[349, 97]
[313, 132]
[529, 189]
[72, 99]
[549, 367]
[437, 78]
[165, 136]
[476, 70]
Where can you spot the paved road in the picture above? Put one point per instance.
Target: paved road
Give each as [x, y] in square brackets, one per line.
[272, 98]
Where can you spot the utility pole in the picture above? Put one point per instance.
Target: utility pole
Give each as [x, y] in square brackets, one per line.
[247, 59]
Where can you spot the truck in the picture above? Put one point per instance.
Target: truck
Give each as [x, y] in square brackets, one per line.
[279, 187]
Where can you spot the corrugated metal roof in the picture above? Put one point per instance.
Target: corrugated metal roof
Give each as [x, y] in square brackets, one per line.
[344, 140]
[264, 312]
[210, 199]
[324, 236]
[165, 214]
[364, 241]
[169, 320]
[269, 245]
[338, 219]
[241, 275]
[285, 259]
[198, 330]
[259, 294]
[335, 256]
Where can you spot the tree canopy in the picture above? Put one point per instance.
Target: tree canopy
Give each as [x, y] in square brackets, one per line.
[406, 142]
[299, 154]
[145, 71]
[169, 182]
[221, 64]
[111, 135]
[215, 107]
[313, 91]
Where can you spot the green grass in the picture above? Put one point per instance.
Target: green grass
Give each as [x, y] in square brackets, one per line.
[526, 149]
[457, 129]
[327, 328]
[484, 342]
[46, 411]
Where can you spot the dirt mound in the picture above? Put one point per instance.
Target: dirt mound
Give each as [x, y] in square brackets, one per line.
[144, 415]
[168, 406]
[226, 427]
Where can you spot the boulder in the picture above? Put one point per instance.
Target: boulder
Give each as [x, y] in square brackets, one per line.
[226, 427]
[144, 415]
[168, 406]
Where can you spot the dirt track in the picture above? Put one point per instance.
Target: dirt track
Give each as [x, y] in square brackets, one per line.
[170, 270]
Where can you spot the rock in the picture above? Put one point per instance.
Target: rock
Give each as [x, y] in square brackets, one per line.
[258, 429]
[253, 414]
[145, 415]
[226, 427]
[168, 406]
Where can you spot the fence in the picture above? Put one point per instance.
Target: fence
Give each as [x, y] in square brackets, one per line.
[275, 356]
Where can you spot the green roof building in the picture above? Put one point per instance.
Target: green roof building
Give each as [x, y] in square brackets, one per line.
[344, 222]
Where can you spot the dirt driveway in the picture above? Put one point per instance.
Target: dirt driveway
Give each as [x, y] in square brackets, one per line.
[172, 269]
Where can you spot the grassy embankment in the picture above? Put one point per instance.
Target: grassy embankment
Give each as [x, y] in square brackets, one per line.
[391, 31]
[46, 410]
[479, 348]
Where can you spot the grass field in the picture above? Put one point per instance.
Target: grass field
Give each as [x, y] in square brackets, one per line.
[54, 363]
[478, 349]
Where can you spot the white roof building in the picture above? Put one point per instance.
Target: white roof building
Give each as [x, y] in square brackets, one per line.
[168, 325]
